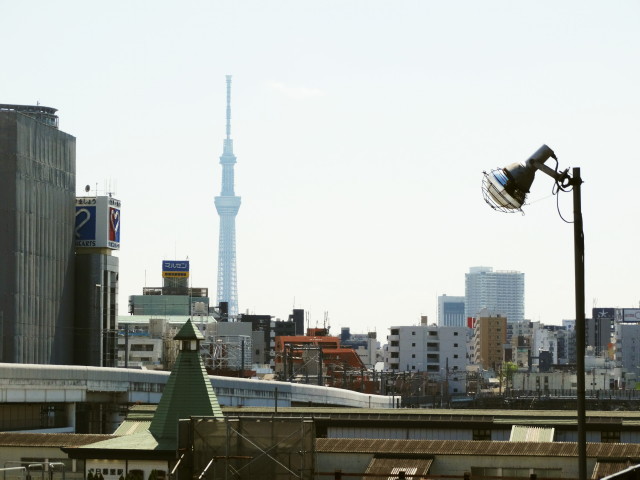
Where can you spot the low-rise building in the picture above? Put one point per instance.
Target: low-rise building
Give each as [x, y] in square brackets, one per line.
[439, 351]
[489, 336]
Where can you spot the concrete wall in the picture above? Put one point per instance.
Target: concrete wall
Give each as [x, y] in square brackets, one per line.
[113, 469]
[16, 456]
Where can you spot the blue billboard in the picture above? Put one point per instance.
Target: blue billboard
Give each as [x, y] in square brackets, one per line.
[175, 268]
[85, 225]
[97, 222]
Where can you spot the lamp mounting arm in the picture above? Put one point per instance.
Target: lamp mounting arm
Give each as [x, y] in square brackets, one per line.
[562, 178]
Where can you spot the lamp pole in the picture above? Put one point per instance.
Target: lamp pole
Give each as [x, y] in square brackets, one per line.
[578, 247]
[505, 190]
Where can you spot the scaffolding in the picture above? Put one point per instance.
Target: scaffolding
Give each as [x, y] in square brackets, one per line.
[227, 352]
[248, 448]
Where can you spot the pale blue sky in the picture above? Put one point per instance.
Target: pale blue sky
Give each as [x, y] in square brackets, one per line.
[361, 129]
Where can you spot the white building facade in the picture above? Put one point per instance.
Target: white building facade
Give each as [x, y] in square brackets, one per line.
[500, 292]
[440, 351]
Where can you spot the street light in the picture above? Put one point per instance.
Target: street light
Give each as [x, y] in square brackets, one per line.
[506, 190]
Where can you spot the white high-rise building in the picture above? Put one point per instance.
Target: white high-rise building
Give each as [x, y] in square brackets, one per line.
[500, 292]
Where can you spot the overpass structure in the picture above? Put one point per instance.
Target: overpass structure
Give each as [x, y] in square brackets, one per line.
[61, 398]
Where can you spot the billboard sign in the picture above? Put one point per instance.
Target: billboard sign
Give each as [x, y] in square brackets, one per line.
[631, 314]
[175, 268]
[603, 313]
[114, 226]
[97, 222]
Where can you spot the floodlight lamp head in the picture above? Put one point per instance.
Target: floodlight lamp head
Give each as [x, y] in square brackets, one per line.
[506, 189]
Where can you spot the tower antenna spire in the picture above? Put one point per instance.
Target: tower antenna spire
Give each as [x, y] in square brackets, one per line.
[228, 107]
[227, 204]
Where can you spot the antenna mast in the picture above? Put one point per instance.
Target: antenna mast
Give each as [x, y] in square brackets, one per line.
[227, 204]
[228, 143]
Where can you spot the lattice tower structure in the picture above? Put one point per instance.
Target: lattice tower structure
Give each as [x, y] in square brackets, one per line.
[227, 205]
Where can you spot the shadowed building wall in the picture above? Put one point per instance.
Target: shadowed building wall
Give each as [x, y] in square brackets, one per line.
[37, 201]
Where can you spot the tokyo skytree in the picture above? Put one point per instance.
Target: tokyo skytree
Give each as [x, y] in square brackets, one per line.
[227, 205]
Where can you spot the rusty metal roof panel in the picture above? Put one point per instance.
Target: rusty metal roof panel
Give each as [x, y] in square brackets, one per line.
[604, 469]
[8, 439]
[392, 466]
[470, 447]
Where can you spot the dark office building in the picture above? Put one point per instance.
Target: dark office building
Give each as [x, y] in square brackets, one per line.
[97, 237]
[37, 199]
[264, 331]
[599, 328]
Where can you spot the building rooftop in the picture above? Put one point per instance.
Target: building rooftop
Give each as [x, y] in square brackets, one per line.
[46, 115]
[476, 447]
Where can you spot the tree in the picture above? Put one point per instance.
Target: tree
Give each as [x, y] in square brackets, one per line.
[507, 371]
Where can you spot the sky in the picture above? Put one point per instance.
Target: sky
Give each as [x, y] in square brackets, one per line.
[361, 130]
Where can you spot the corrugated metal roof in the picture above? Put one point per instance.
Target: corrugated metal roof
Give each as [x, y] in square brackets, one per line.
[524, 433]
[129, 427]
[457, 412]
[139, 441]
[604, 469]
[535, 421]
[393, 466]
[518, 417]
[58, 440]
[470, 447]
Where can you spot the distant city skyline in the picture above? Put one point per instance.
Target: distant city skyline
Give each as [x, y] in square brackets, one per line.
[362, 129]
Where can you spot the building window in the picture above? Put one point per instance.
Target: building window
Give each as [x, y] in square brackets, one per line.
[413, 333]
[455, 334]
[395, 331]
[455, 356]
[141, 348]
[481, 434]
[610, 437]
[413, 355]
[515, 472]
[413, 344]
[455, 345]
[394, 354]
